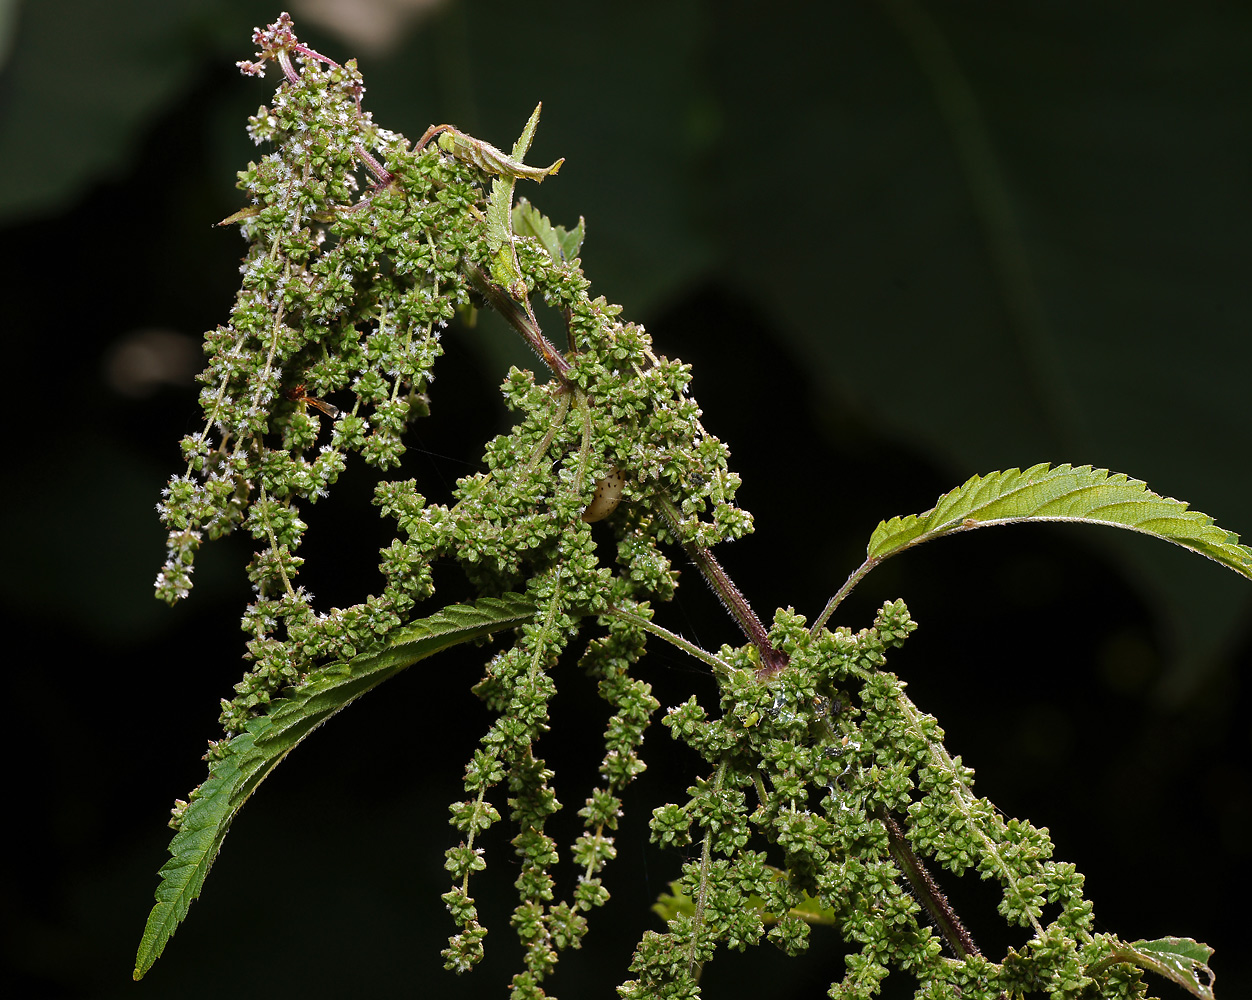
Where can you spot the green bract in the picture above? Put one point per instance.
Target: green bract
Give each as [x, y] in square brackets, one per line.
[828, 793]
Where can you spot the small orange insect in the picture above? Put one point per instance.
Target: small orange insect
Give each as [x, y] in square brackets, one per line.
[297, 395]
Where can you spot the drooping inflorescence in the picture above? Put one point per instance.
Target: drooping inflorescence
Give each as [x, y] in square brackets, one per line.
[817, 775]
[361, 249]
[828, 792]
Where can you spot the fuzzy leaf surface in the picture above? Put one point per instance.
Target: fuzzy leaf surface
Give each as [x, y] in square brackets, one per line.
[252, 755]
[1181, 960]
[1063, 493]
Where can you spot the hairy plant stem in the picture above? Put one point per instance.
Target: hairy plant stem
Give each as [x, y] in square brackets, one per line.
[928, 893]
[939, 757]
[772, 660]
[520, 317]
[856, 576]
[278, 556]
[719, 666]
[382, 176]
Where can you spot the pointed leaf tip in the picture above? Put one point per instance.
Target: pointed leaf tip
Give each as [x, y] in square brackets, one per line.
[1063, 493]
[1181, 960]
[254, 753]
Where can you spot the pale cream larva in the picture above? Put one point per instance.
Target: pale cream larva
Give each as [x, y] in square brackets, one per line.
[608, 493]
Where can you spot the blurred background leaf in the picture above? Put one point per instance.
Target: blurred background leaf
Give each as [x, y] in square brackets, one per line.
[867, 226]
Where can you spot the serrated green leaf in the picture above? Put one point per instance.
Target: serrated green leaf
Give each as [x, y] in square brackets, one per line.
[1063, 493]
[504, 266]
[572, 239]
[1181, 960]
[561, 244]
[252, 755]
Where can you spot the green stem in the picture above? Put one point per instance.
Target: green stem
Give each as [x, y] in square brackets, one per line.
[706, 864]
[269, 534]
[584, 449]
[857, 576]
[719, 665]
[759, 784]
[941, 759]
[540, 450]
[522, 320]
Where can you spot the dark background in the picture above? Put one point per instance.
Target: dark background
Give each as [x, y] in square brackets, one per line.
[901, 243]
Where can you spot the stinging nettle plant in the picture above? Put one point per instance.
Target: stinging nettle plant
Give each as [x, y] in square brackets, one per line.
[829, 796]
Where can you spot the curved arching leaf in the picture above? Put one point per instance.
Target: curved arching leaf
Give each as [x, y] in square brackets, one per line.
[1180, 960]
[252, 755]
[1043, 493]
[1063, 493]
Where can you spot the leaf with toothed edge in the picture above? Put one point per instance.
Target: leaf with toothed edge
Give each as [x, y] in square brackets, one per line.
[1064, 493]
[504, 267]
[1181, 960]
[252, 755]
[562, 244]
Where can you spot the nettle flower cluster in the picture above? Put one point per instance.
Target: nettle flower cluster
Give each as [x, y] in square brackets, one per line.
[831, 772]
[828, 787]
[347, 285]
[361, 249]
